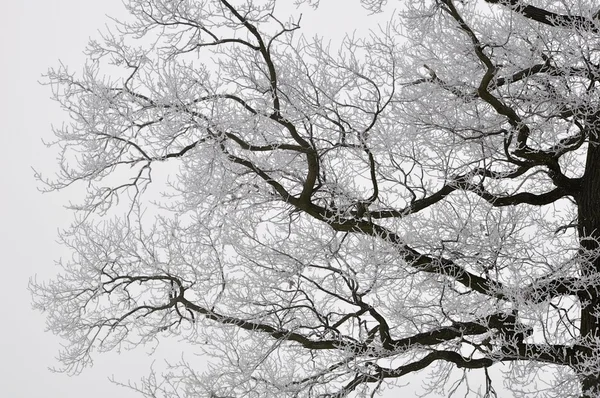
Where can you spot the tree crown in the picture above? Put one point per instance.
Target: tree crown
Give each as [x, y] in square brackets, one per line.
[425, 197]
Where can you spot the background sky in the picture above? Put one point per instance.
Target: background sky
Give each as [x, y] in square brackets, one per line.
[35, 35]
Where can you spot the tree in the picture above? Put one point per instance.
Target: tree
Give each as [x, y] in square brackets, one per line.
[425, 198]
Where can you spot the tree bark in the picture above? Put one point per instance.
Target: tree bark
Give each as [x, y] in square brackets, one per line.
[588, 202]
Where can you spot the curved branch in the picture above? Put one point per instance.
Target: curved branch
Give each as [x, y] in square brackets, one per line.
[518, 198]
[494, 200]
[281, 334]
[381, 373]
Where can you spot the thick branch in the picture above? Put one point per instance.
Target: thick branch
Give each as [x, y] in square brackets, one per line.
[548, 17]
[280, 334]
[494, 200]
[503, 322]
[421, 262]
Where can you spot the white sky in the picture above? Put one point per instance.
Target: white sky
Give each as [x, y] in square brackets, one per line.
[35, 35]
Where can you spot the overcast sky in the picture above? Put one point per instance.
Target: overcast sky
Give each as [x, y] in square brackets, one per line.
[35, 35]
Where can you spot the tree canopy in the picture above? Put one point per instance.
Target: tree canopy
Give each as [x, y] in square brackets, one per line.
[422, 199]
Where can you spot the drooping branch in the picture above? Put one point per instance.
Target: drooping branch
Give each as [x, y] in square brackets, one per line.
[379, 373]
[286, 335]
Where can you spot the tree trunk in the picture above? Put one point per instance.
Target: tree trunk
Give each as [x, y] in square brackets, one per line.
[588, 202]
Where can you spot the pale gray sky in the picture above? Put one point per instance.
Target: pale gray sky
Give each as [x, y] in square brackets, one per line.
[34, 35]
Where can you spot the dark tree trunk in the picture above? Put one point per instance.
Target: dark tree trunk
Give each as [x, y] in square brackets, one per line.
[588, 202]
